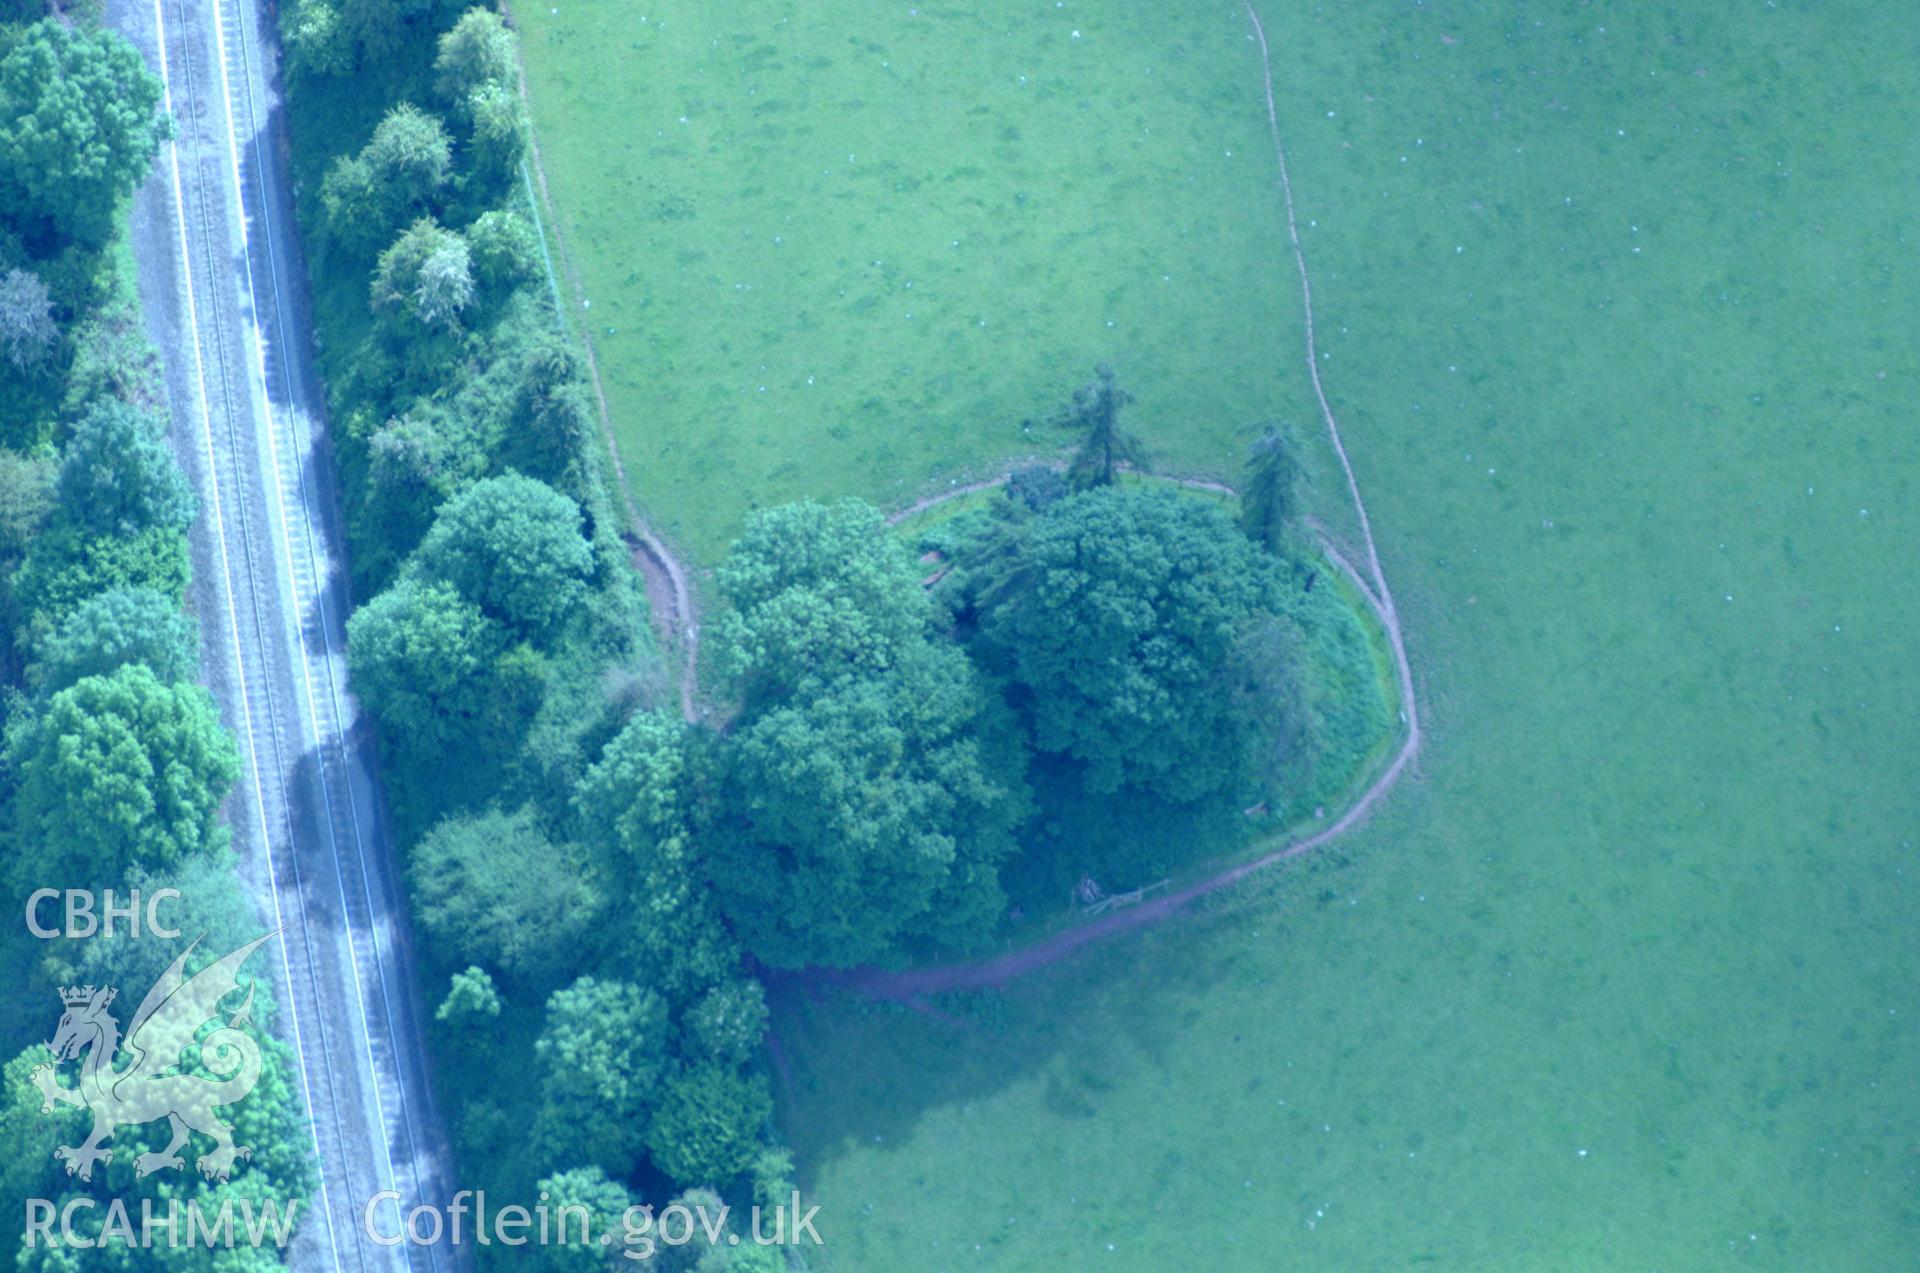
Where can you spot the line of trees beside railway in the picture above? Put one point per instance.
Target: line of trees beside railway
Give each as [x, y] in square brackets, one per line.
[502, 647]
[114, 763]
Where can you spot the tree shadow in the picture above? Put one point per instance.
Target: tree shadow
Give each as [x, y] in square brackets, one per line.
[854, 1073]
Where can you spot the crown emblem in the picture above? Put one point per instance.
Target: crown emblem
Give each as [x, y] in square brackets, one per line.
[81, 996]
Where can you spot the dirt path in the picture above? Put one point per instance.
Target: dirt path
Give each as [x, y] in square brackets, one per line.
[676, 621]
[911, 985]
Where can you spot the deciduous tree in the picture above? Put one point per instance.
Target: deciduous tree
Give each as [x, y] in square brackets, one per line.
[866, 815]
[505, 251]
[601, 1055]
[1120, 636]
[64, 566]
[415, 463]
[396, 178]
[316, 42]
[706, 1129]
[79, 126]
[604, 1203]
[420, 657]
[477, 74]
[27, 329]
[471, 1000]
[119, 627]
[817, 593]
[512, 546]
[492, 889]
[26, 498]
[636, 808]
[119, 770]
[478, 50]
[427, 275]
[727, 1023]
[117, 476]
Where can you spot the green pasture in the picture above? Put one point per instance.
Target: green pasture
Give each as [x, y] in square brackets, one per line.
[829, 249]
[1616, 303]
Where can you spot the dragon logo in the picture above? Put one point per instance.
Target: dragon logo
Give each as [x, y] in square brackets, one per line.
[150, 1085]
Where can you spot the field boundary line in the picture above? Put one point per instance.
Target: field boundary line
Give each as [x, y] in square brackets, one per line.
[676, 616]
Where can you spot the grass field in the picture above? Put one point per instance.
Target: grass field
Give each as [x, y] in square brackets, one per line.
[1617, 304]
[830, 250]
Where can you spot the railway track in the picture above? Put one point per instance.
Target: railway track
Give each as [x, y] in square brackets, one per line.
[221, 277]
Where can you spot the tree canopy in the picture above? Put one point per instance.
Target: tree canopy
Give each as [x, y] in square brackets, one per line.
[477, 51]
[394, 180]
[117, 476]
[636, 808]
[605, 1203]
[115, 628]
[27, 329]
[817, 593]
[1119, 635]
[863, 806]
[79, 127]
[64, 566]
[122, 770]
[1105, 444]
[472, 999]
[426, 275]
[727, 1023]
[1270, 495]
[491, 889]
[477, 73]
[26, 498]
[512, 546]
[420, 655]
[601, 1058]
[706, 1129]
[865, 815]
